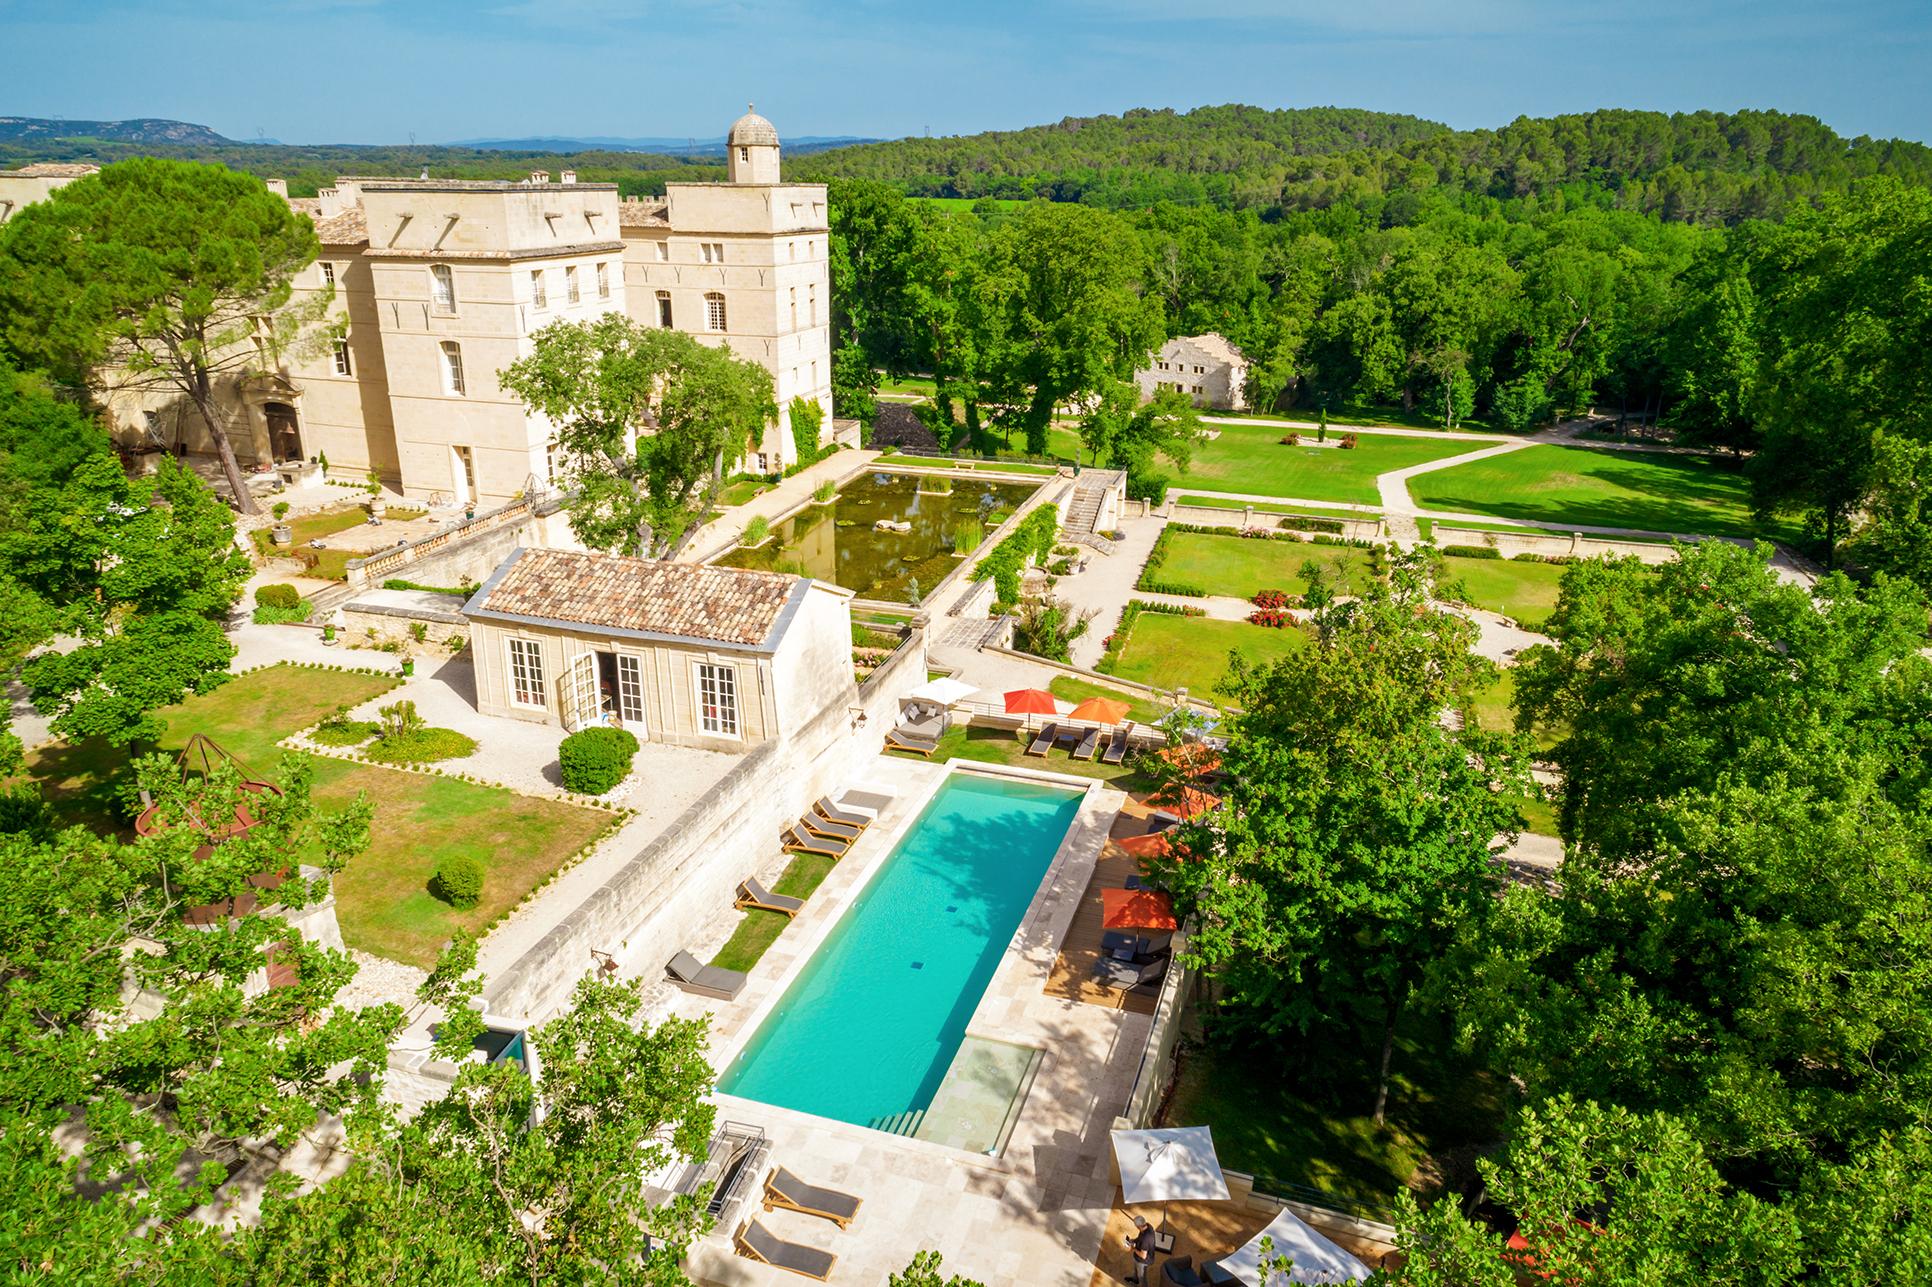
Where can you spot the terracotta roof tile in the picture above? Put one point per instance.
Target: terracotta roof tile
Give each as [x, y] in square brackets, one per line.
[693, 601]
[346, 228]
[633, 213]
[56, 170]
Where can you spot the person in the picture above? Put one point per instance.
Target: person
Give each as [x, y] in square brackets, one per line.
[1141, 1243]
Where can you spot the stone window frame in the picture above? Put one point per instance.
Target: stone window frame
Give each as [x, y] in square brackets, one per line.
[715, 318]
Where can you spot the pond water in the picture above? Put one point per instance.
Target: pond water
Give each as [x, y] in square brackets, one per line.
[838, 543]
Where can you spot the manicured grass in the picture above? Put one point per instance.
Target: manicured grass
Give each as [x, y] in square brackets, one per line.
[1068, 689]
[1263, 507]
[1539, 815]
[1167, 651]
[1361, 415]
[741, 491]
[1495, 709]
[974, 463]
[1314, 1137]
[1251, 458]
[1643, 491]
[1524, 592]
[382, 898]
[760, 929]
[1240, 565]
[1001, 746]
[331, 565]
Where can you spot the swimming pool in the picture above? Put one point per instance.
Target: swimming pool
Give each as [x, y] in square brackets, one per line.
[866, 1033]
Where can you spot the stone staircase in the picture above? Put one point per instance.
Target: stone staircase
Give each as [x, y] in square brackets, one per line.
[906, 1123]
[1089, 490]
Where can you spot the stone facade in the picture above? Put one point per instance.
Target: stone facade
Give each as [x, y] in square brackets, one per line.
[442, 283]
[1208, 369]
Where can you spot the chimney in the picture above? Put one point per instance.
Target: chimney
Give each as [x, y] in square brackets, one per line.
[569, 176]
[539, 176]
[278, 186]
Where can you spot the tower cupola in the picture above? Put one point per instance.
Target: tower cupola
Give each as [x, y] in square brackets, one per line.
[751, 149]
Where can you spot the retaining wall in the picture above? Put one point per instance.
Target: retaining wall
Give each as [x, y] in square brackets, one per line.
[1354, 529]
[1573, 544]
[678, 882]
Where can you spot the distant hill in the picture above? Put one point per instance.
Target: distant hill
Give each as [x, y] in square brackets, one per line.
[802, 145]
[147, 130]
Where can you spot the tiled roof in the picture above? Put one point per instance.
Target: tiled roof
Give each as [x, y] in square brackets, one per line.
[687, 600]
[1215, 346]
[633, 213]
[56, 170]
[344, 228]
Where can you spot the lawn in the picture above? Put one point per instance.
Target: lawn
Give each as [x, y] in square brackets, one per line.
[1240, 565]
[1524, 592]
[330, 565]
[985, 745]
[760, 929]
[965, 463]
[1312, 1136]
[1252, 458]
[1169, 652]
[1495, 708]
[1263, 507]
[737, 493]
[1068, 689]
[1643, 491]
[382, 900]
[1363, 415]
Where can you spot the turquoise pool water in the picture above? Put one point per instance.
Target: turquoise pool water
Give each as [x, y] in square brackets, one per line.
[868, 1029]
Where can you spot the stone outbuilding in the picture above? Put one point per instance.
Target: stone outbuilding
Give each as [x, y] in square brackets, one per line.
[720, 658]
[1207, 368]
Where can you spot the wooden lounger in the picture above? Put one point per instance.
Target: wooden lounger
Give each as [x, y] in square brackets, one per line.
[1044, 742]
[786, 1191]
[822, 827]
[753, 894]
[1089, 745]
[917, 743]
[1127, 977]
[756, 1242]
[704, 980]
[1116, 751]
[797, 840]
[825, 809]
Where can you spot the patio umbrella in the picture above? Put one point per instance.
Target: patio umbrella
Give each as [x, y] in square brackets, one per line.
[1100, 710]
[1314, 1259]
[1136, 909]
[1169, 1164]
[941, 692]
[1153, 844]
[1191, 757]
[1186, 802]
[1031, 701]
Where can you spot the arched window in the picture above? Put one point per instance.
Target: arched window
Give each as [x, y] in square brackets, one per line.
[442, 288]
[714, 311]
[452, 368]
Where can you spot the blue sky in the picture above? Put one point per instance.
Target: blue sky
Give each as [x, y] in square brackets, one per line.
[374, 71]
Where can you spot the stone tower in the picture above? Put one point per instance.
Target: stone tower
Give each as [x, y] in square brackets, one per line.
[751, 150]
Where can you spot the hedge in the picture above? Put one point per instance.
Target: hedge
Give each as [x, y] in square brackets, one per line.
[1032, 539]
[1128, 614]
[593, 760]
[1471, 552]
[277, 596]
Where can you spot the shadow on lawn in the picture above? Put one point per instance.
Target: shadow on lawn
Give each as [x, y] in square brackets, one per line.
[1655, 493]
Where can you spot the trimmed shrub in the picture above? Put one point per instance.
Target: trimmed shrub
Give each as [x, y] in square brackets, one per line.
[1151, 488]
[1151, 585]
[1304, 524]
[458, 881]
[1291, 440]
[1271, 618]
[1275, 599]
[1471, 552]
[593, 760]
[1348, 442]
[1560, 560]
[421, 746]
[277, 596]
[340, 731]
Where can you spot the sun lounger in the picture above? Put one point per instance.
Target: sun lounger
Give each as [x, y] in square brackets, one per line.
[797, 840]
[1126, 977]
[753, 894]
[704, 980]
[900, 739]
[825, 809]
[821, 827]
[1044, 742]
[756, 1242]
[786, 1191]
[1088, 745]
[1180, 1272]
[1116, 752]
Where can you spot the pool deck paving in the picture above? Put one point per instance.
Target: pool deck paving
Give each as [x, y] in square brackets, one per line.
[1036, 1213]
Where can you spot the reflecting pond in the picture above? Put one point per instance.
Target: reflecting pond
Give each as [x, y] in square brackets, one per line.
[839, 543]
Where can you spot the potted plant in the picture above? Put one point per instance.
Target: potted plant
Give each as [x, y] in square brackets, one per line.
[408, 666]
[328, 634]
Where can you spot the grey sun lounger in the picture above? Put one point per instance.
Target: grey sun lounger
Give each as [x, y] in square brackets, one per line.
[906, 740]
[797, 840]
[753, 894]
[785, 1191]
[1088, 745]
[1044, 742]
[825, 809]
[1116, 751]
[825, 827]
[1127, 977]
[704, 980]
[756, 1242]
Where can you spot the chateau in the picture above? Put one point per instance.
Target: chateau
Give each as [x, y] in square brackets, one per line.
[446, 282]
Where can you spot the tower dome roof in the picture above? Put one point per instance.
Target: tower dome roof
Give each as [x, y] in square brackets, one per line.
[752, 130]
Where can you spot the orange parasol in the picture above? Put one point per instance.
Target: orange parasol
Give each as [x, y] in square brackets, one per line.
[1031, 701]
[1192, 757]
[1185, 802]
[1136, 909]
[1151, 845]
[1101, 710]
